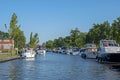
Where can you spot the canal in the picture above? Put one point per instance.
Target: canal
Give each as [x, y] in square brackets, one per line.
[57, 67]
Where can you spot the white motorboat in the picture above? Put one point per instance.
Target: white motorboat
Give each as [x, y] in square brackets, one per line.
[109, 51]
[90, 51]
[75, 51]
[28, 53]
[41, 52]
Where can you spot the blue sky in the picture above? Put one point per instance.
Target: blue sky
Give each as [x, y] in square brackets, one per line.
[55, 18]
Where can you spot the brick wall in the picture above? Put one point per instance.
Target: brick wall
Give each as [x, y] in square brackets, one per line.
[6, 44]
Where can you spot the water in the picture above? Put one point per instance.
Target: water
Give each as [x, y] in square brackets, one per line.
[57, 67]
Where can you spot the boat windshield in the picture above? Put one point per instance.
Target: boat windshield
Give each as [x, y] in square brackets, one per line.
[109, 43]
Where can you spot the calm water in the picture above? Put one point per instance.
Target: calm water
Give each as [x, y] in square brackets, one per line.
[56, 67]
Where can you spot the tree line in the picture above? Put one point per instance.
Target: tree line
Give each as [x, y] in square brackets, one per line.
[14, 32]
[76, 38]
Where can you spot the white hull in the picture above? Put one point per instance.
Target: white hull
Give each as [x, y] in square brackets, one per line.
[89, 55]
[28, 54]
[75, 53]
[41, 52]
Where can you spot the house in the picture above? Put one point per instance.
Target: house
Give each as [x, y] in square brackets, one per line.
[6, 44]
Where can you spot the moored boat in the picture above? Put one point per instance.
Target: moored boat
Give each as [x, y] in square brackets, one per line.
[90, 51]
[75, 51]
[109, 51]
[41, 52]
[28, 53]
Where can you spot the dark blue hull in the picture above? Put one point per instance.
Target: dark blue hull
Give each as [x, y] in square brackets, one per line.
[113, 57]
[83, 56]
[109, 57]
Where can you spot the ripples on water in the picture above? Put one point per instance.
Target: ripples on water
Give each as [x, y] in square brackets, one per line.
[57, 67]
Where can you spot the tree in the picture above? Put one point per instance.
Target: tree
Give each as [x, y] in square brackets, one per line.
[98, 32]
[34, 40]
[115, 30]
[13, 26]
[50, 44]
[74, 36]
[68, 41]
[4, 35]
[16, 33]
[59, 42]
[76, 39]
[20, 40]
[82, 40]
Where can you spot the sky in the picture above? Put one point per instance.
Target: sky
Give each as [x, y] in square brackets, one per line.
[52, 19]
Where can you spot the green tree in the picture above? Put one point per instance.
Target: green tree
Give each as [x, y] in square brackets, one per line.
[13, 26]
[98, 32]
[115, 30]
[82, 40]
[76, 39]
[20, 40]
[50, 44]
[59, 42]
[74, 36]
[16, 33]
[94, 34]
[34, 40]
[68, 41]
[4, 35]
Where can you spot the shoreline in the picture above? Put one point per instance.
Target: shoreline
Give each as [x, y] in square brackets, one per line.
[9, 59]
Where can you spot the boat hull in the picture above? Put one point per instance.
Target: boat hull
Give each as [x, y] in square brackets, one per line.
[41, 52]
[109, 51]
[28, 55]
[109, 57]
[89, 55]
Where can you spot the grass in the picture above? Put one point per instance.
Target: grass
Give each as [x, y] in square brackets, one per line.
[5, 55]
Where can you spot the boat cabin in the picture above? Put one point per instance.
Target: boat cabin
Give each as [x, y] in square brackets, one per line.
[90, 47]
[108, 43]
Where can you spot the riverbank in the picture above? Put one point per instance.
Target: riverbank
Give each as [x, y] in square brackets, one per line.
[8, 57]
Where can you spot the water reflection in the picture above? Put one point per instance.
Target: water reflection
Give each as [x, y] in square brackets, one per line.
[14, 72]
[115, 68]
[30, 59]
